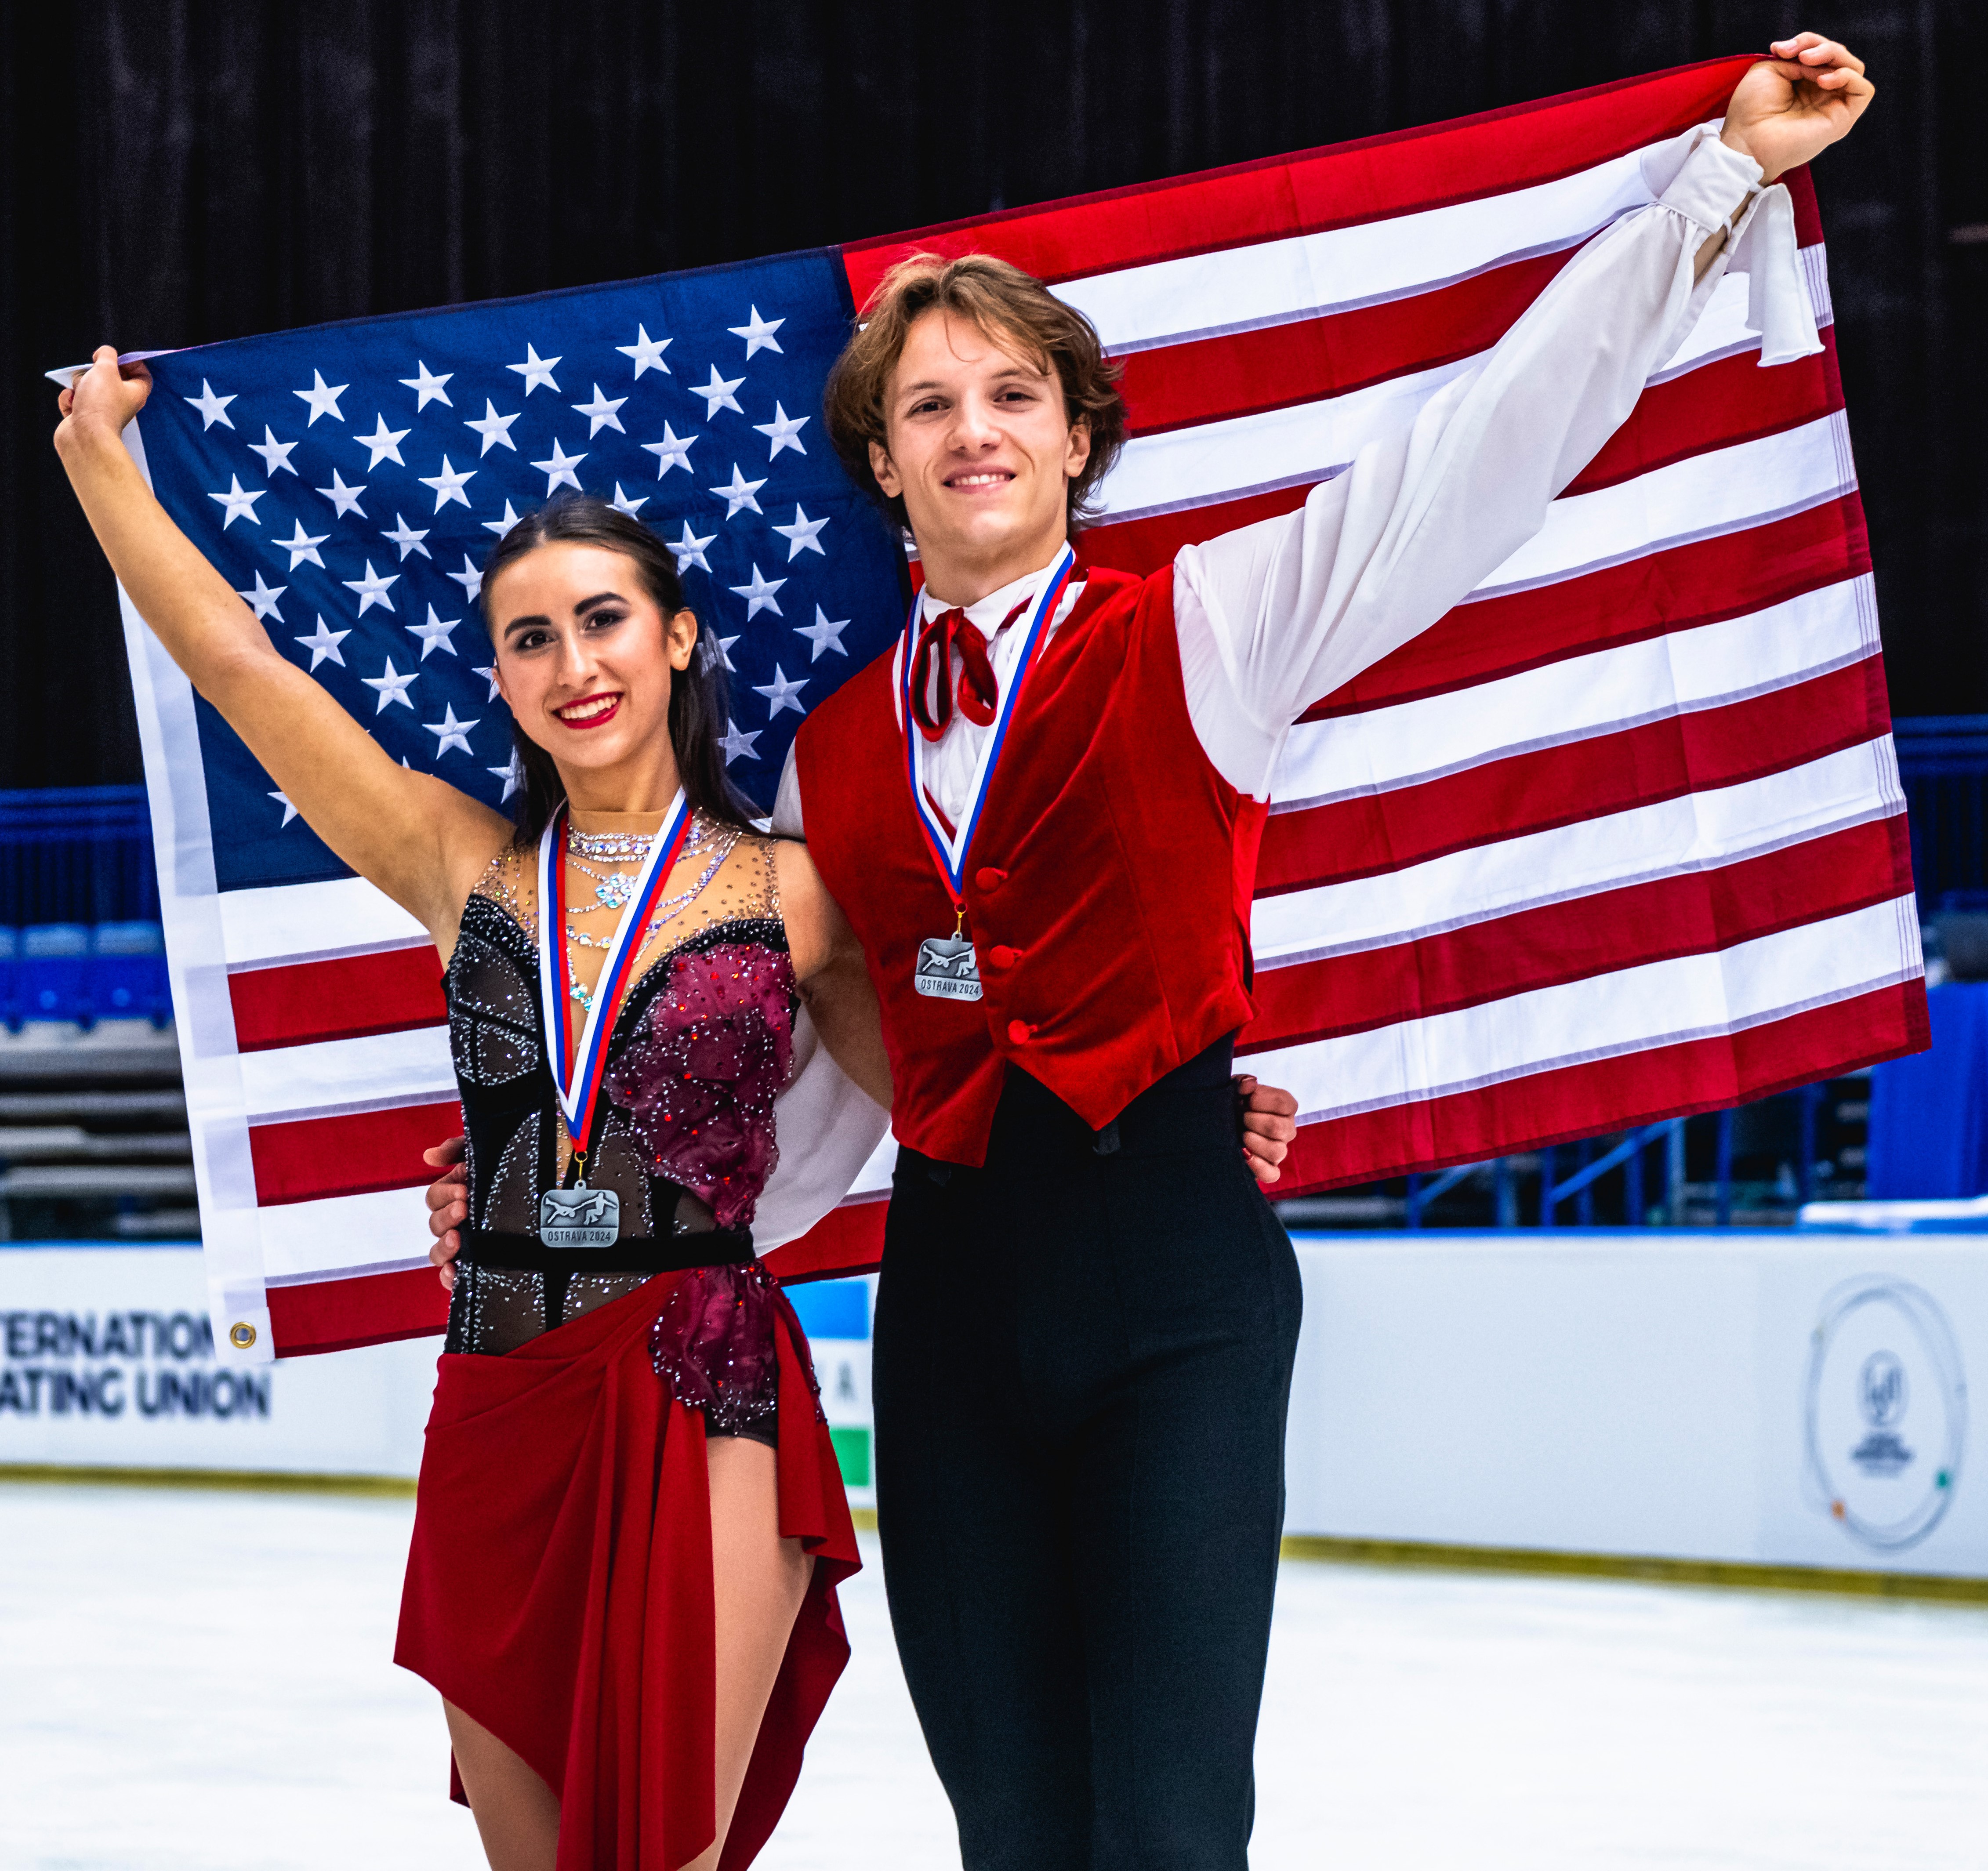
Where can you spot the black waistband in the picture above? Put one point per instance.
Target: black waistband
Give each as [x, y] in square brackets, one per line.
[527, 1254]
[1193, 1107]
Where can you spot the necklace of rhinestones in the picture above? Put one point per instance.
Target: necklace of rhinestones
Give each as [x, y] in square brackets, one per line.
[723, 839]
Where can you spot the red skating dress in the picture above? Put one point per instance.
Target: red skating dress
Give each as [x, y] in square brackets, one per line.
[559, 1585]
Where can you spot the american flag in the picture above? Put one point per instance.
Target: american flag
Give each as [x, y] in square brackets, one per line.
[1622, 836]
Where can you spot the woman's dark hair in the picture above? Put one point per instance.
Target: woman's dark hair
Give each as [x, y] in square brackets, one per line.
[699, 696]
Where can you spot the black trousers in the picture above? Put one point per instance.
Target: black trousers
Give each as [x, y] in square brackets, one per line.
[1082, 1368]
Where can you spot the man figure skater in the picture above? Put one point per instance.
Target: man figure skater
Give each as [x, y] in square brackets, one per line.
[1087, 1316]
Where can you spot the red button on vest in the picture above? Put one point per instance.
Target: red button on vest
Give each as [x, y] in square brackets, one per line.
[1019, 1032]
[988, 878]
[1002, 956]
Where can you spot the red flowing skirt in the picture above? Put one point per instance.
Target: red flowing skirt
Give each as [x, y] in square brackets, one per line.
[559, 1587]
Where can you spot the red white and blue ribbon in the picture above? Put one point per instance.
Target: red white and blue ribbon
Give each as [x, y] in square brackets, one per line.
[580, 1091]
[949, 849]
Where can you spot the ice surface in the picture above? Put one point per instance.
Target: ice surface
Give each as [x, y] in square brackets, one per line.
[200, 1682]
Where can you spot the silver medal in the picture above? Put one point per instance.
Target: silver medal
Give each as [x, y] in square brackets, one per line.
[581, 1218]
[947, 969]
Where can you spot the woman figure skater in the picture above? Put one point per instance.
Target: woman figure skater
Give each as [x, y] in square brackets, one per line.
[629, 1528]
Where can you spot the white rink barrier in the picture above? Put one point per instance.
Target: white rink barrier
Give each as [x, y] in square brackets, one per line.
[107, 1362]
[1765, 1399]
[1775, 1398]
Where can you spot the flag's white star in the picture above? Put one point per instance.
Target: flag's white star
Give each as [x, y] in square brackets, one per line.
[803, 536]
[495, 429]
[501, 527]
[450, 732]
[758, 334]
[824, 633]
[275, 454]
[322, 397]
[429, 389]
[324, 644]
[736, 744]
[303, 546]
[631, 507]
[468, 578]
[690, 548]
[740, 492]
[759, 594]
[214, 409]
[490, 676]
[372, 588]
[344, 500]
[509, 775]
[239, 506]
[783, 430]
[408, 538]
[672, 451]
[722, 648]
[448, 484]
[289, 811]
[600, 413]
[648, 352]
[780, 693]
[434, 634]
[559, 468]
[385, 444]
[391, 686]
[535, 369]
[262, 599]
[717, 393]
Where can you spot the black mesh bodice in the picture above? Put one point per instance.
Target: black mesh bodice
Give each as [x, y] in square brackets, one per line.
[510, 1286]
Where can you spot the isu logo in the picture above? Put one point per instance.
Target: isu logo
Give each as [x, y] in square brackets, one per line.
[947, 969]
[1886, 1412]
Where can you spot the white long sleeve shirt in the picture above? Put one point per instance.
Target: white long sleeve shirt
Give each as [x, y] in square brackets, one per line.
[1274, 615]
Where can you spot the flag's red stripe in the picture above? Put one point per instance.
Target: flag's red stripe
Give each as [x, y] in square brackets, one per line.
[1402, 173]
[848, 1240]
[365, 1308]
[1608, 1095]
[1718, 406]
[300, 1003]
[1243, 373]
[308, 1159]
[1699, 583]
[1694, 913]
[1579, 780]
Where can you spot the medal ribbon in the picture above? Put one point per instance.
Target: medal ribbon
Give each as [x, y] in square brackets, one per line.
[949, 853]
[580, 1095]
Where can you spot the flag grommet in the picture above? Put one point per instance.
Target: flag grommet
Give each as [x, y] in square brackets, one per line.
[241, 1334]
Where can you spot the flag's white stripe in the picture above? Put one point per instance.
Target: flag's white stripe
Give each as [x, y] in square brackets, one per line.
[1271, 282]
[288, 922]
[1211, 461]
[1604, 692]
[344, 1234]
[338, 1075]
[1660, 1003]
[1697, 498]
[1700, 831]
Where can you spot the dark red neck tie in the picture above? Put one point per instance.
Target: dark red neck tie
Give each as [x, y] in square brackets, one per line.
[932, 688]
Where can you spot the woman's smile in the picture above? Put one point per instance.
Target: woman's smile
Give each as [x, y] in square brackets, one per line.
[594, 710]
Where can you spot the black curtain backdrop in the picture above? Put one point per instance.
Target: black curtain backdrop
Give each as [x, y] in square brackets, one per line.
[183, 170]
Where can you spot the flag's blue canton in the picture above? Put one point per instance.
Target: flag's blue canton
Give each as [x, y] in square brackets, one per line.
[350, 480]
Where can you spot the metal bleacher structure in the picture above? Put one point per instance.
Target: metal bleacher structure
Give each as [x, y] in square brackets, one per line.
[93, 1139]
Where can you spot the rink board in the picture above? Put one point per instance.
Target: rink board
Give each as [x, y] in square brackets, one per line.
[1760, 1399]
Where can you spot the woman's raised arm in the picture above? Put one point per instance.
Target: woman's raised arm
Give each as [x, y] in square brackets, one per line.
[420, 840]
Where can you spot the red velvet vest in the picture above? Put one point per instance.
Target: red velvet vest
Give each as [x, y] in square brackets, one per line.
[1107, 888]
